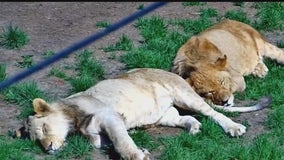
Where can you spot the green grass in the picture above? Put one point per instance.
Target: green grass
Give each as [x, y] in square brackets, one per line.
[238, 15]
[280, 44]
[17, 149]
[23, 94]
[3, 73]
[27, 61]
[77, 147]
[124, 44]
[103, 24]
[140, 7]
[55, 71]
[271, 16]
[241, 4]
[208, 12]
[13, 37]
[193, 3]
[89, 70]
[48, 53]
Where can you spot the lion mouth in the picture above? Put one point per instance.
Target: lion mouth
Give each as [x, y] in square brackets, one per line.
[54, 147]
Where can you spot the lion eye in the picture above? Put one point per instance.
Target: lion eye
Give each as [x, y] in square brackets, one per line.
[44, 129]
[211, 92]
[222, 82]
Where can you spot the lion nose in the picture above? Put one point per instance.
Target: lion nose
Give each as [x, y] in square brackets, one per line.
[49, 148]
[225, 103]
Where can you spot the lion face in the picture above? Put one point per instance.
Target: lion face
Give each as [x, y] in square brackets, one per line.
[48, 126]
[213, 84]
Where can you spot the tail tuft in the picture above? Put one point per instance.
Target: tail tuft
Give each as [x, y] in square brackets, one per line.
[264, 102]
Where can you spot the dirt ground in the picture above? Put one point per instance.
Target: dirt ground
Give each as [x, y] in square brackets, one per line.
[57, 25]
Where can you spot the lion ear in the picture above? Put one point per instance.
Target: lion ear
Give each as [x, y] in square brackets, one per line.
[221, 62]
[41, 108]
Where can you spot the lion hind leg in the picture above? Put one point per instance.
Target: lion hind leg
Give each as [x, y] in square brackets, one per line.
[172, 118]
[273, 52]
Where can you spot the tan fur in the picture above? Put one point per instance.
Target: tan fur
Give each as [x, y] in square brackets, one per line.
[137, 98]
[215, 62]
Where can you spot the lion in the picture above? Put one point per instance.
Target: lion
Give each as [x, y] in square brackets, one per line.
[136, 98]
[215, 62]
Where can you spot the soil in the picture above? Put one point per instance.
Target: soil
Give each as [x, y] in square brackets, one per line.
[57, 25]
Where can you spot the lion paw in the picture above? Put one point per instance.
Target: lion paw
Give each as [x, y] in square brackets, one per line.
[143, 154]
[260, 70]
[236, 130]
[193, 127]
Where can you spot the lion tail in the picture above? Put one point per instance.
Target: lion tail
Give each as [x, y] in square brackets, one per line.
[273, 52]
[262, 103]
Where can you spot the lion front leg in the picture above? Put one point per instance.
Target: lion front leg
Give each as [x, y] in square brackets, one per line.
[191, 101]
[260, 70]
[123, 143]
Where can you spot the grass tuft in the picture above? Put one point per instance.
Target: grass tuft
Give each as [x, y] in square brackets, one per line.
[23, 94]
[13, 37]
[193, 3]
[238, 15]
[208, 12]
[103, 24]
[124, 44]
[26, 62]
[271, 16]
[2, 72]
[90, 71]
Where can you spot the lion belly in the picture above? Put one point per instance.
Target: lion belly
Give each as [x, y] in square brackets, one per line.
[138, 105]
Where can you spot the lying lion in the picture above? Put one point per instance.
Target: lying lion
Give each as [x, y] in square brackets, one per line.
[136, 98]
[215, 62]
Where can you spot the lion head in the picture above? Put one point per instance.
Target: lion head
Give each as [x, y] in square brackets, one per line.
[210, 80]
[49, 126]
[212, 84]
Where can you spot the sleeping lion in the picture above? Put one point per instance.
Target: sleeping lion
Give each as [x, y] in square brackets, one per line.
[133, 99]
[215, 62]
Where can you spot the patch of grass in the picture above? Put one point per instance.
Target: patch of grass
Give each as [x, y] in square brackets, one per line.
[142, 139]
[13, 37]
[23, 94]
[2, 72]
[194, 26]
[241, 4]
[103, 24]
[82, 83]
[26, 62]
[58, 73]
[271, 16]
[151, 28]
[48, 53]
[193, 3]
[156, 53]
[77, 147]
[124, 44]
[140, 7]
[238, 15]
[89, 70]
[17, 149]
[208, 12]
[280, 44]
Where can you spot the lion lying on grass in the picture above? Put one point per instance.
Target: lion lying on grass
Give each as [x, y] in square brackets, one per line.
[215, 62]
[136, 98]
